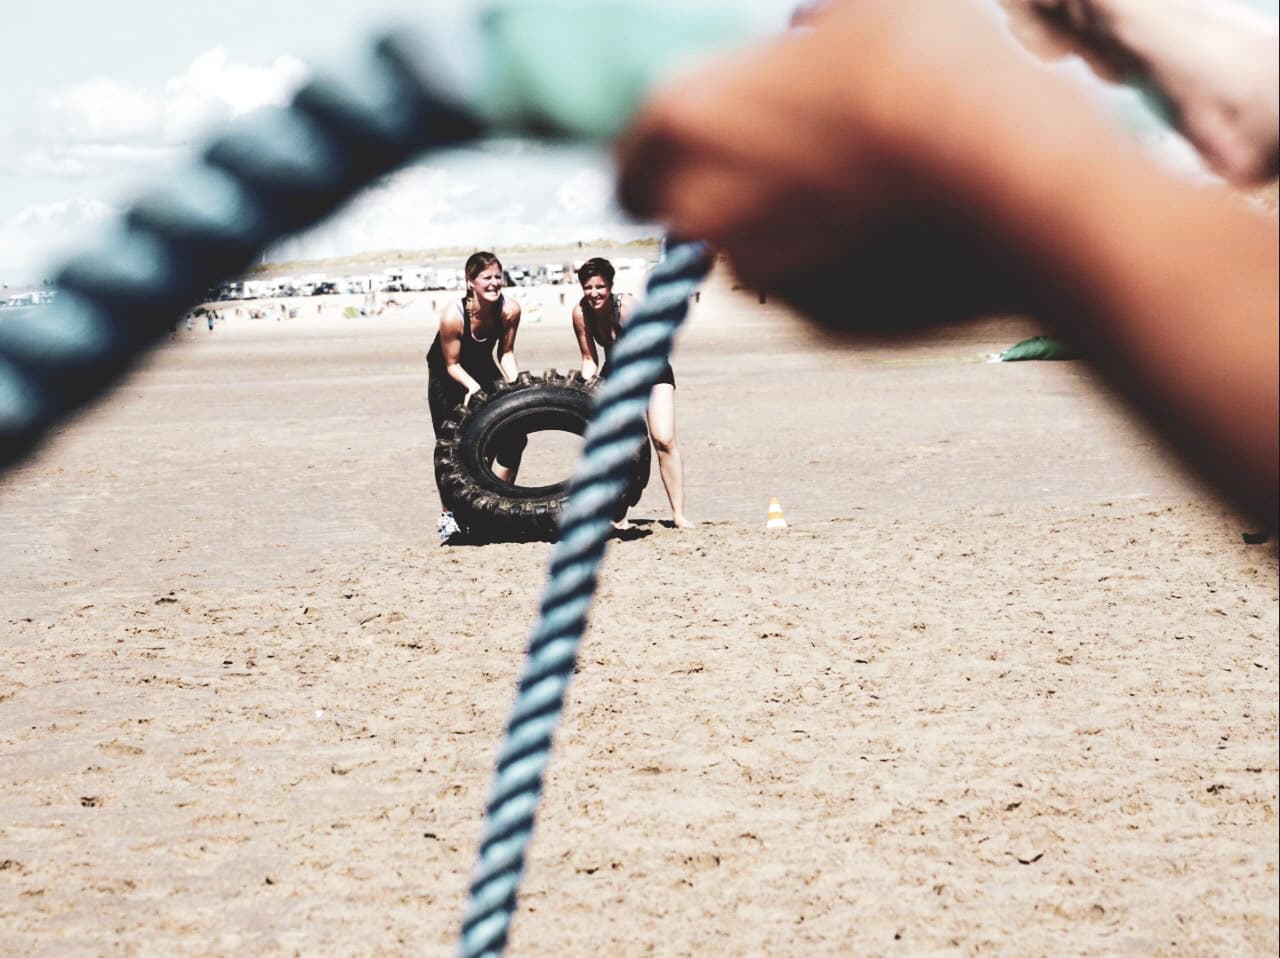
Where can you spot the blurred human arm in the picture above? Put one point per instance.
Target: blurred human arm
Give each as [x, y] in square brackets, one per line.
[1215, 64]
[832, 160]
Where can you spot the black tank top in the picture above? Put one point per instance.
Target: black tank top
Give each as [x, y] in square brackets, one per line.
[614, 320]
[477, 354]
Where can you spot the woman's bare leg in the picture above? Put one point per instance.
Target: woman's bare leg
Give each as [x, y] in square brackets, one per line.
[662, 432]
[507, 473]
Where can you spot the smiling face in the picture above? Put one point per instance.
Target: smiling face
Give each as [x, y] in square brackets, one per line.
[487, 284]
[596, 291]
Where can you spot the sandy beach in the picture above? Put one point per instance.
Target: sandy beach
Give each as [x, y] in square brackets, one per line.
[1006, 685]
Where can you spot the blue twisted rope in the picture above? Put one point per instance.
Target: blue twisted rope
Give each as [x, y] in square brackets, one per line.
[616, 430]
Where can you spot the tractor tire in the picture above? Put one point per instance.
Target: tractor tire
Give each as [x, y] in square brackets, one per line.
[490, 509]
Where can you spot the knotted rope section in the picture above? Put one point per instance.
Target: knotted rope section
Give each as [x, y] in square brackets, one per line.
[525, 66]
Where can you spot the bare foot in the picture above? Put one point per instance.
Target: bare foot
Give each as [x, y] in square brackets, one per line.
[1215, 61]
[623, 525]
[682, 522]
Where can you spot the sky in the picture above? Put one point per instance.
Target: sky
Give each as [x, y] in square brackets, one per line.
[100, 100]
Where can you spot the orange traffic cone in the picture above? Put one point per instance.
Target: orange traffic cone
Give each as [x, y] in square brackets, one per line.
[776, 519]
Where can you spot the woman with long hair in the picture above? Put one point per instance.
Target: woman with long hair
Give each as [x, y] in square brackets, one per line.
[474, 348]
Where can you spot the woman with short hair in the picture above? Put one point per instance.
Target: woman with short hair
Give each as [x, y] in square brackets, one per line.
[598, 318]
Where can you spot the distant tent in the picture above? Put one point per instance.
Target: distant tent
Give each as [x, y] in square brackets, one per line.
[1039, 347]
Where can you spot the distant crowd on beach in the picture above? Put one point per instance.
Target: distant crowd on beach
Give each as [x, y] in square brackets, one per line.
[211, 316]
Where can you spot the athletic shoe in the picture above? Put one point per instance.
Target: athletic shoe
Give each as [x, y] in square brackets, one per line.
[448, 527]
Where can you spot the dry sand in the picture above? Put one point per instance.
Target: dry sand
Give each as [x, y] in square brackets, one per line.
[1008, 684]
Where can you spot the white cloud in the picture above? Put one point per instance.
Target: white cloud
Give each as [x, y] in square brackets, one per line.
[100, 127]
[497, 194]
[215, 89]
[63, 213]
[85, 160]
[98, 110]
[36, 238]
[588, 193]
